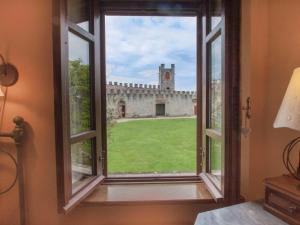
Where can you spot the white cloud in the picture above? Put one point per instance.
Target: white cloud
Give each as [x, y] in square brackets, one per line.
[136, 46]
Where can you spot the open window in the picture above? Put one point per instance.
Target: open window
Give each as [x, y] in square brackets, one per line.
[220, 100]
[84, 95]
[151, 88]
[77, 101]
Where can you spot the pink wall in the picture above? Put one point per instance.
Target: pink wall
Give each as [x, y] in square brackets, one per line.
[26, 41]
[270, 51]
[254, 57]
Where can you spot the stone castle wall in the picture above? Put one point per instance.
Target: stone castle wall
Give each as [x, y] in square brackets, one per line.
[138, 100]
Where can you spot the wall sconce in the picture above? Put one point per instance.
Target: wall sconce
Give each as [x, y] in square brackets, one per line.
[8, 75]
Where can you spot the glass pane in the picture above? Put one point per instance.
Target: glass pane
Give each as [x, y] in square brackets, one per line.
[81, 155]
[79, 13]
[79, 84]
[215, 13]
[215, 149]
[215, 87]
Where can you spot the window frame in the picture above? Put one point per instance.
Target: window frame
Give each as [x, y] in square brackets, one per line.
[231, 28]
[151, 8]
[69, 197]
[230, 134]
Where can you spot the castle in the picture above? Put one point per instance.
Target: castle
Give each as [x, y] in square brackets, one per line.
[142, 100]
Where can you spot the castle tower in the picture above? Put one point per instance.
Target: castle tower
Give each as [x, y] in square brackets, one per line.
[167, 77]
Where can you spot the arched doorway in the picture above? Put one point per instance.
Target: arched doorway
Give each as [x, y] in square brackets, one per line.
[122, 109]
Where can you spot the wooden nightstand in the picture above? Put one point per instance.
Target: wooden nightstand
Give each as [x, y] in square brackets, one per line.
[282, 198]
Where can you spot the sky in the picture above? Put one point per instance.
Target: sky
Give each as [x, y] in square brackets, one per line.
[137, 45]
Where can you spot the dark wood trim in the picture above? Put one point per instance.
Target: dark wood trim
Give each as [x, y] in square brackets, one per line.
[59, 52]
[150, 8]
[149, 13]
[68, 198]
[151, 179]
[212, 188]
[232, 103]
[143, 7]
[81, 195]
[154, 202]
[83, 136]
[229, 30]
[199, 86]
[103, 93]
[204, 93]
[97, 87]
[80, 32]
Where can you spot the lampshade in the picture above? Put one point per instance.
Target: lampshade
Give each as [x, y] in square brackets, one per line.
[289, 112]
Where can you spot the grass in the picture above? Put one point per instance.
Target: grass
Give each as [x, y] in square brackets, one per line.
[153, 146]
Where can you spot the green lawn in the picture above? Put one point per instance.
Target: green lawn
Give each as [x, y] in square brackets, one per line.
[152, 146]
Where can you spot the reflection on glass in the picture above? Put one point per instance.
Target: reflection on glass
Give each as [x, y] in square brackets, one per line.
[215, 148]
[78, 13]
[215, 13]
[216, 85]
[81, 156]
[215, 20]
[79, 85]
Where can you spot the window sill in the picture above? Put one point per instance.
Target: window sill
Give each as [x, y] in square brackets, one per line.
[163, 193]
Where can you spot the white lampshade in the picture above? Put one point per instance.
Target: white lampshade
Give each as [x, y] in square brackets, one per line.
[289, 112]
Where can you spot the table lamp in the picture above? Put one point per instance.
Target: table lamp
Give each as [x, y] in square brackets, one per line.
[289, 117]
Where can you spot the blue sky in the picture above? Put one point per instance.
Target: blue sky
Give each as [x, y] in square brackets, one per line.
[136, 46]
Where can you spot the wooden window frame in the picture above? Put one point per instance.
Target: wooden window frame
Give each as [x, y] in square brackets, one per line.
[231, 29]
[69, 197]
[151, 8]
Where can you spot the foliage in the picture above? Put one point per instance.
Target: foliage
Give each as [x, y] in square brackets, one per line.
[80, 108]
[79, 96]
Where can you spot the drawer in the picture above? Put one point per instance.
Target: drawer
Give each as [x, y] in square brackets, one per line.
[284, 204]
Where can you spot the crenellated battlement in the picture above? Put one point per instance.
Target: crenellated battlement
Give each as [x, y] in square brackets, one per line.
[131, 85]
[115, 88]
[134, 100]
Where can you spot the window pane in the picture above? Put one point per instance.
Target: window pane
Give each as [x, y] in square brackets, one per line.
[79, 84]
[79, 13]
[215, 157]
[215, 94]
[81, 155]
[215, 13]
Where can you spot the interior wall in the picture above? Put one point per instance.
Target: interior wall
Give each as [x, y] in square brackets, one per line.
[254, 62]
[270, 51]
[284, 57]
[26, 41]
